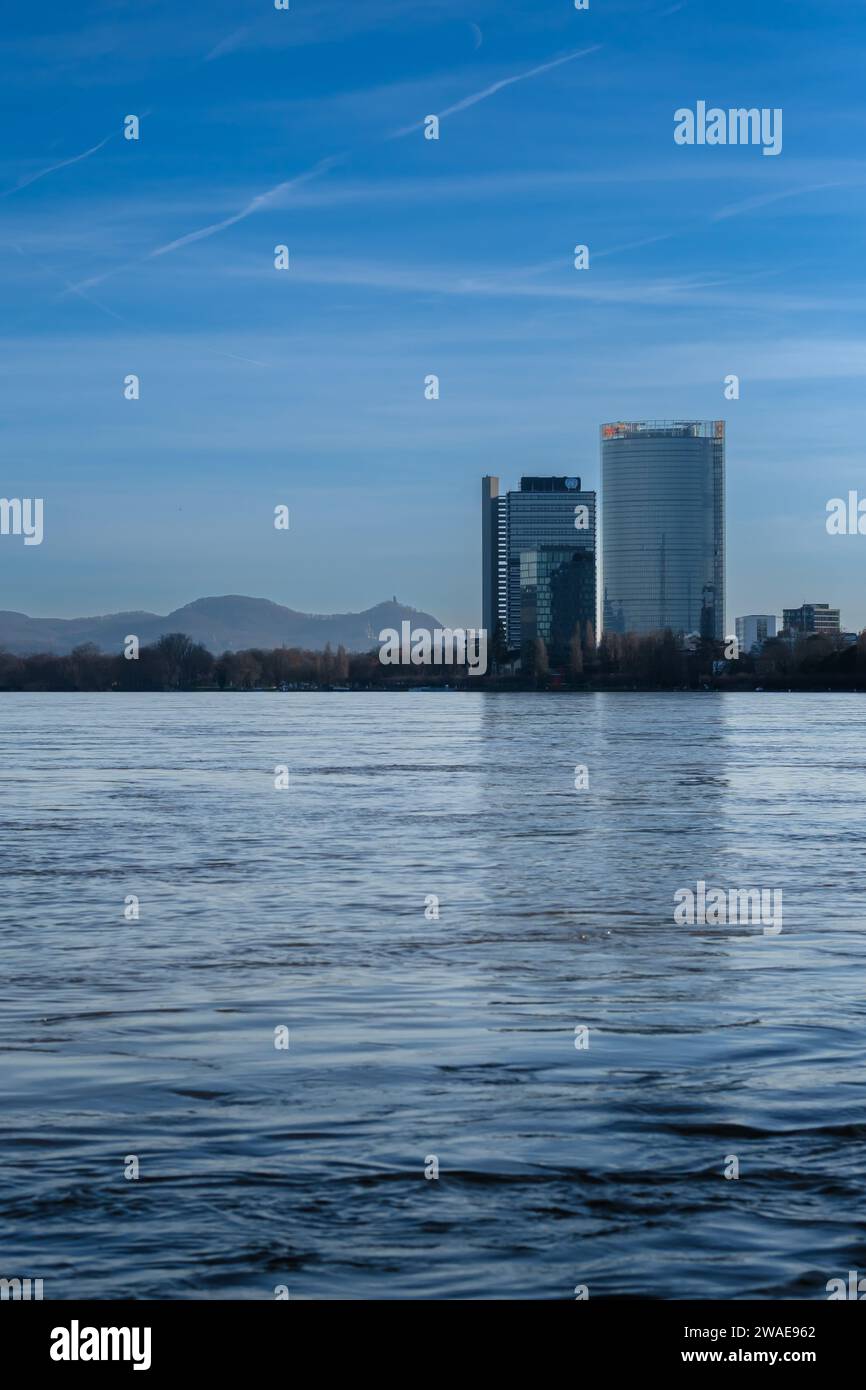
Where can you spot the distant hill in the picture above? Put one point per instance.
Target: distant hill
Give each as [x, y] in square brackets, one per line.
[230, 623]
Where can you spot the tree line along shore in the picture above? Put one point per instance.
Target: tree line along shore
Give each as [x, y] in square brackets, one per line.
[655, 661]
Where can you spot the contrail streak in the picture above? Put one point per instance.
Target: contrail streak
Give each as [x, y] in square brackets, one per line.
[261, 200]
[52, 169]
[498, 86]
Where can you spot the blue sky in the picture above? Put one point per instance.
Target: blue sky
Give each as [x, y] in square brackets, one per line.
[409, 257]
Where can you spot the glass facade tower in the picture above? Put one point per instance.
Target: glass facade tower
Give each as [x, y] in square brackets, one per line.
[663, 497]
[557, 596]
[546, 512]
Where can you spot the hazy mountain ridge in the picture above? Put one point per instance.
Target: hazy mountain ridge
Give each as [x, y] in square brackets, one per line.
[231, 622]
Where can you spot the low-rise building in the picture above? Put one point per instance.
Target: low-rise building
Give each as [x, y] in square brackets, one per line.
[811, 618]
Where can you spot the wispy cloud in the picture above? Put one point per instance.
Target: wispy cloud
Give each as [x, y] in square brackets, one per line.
[515, 282]
[490, 91]
[52, 168]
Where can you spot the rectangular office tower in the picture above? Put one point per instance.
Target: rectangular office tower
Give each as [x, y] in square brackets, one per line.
[540, 538]
[663, 500]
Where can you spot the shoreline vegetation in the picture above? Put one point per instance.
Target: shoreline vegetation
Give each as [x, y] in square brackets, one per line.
[656, 661]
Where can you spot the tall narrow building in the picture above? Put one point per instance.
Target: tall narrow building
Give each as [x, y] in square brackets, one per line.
[541, 527]
[493, 571]
[663, 522]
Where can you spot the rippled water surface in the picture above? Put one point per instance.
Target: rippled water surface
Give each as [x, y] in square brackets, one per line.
[411, 1037]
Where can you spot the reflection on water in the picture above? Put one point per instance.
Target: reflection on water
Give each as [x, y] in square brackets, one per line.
[410, 1037]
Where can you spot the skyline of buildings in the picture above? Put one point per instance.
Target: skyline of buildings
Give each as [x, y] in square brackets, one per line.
[661, 558]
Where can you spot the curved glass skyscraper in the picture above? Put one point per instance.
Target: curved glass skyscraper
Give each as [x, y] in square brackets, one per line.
[663, 524]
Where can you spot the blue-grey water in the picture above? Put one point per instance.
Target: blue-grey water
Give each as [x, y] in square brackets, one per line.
[411, 1037]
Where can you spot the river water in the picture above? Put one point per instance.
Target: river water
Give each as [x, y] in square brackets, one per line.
[566, 1158]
